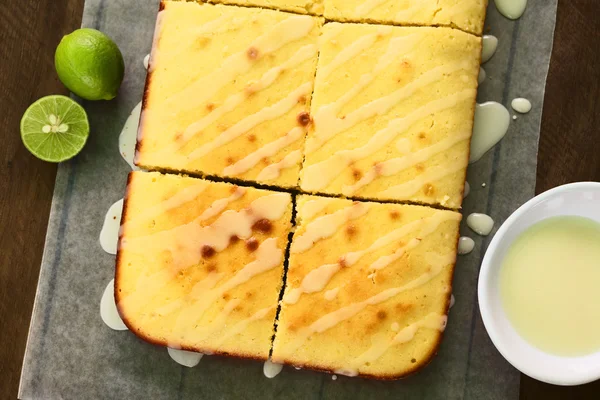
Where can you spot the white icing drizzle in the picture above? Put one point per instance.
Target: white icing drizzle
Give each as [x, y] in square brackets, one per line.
[268, 78]
[334, 377]
[189, 238]
[266, 114]
[491, 124]
[267, 150]
[128, 136]
[314, 281]
[186, 358]
[313, 207]
[482, 75]
[319, 175]
[467, 190]
[407, 189]
[109, 235]
[345, 372]
[489, 46]
[242, 325]
[273, 171]
[511, 9]
[108, 309]
[146, 61]
[220, 321]
[430, 8]
[395, 165]
[426, 226]
[326, 226]
[328, 125]
[326, 121]
[268, 256]
[481, 224]
[185, 195]
[331, 294]
[353, 50]
[333, 318]
[465, 245]
[284, 32]
[218, 206]
[380, 346]
[520, 105]
[271, 369]
[384, 261]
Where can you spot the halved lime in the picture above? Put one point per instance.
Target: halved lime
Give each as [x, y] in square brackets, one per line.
[54, 128]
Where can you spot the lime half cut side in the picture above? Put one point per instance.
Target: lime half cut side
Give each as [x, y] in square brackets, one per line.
[55, 128]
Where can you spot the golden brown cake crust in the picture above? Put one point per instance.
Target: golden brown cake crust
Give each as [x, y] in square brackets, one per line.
[363, 298]
[231, 288]
[368, 195]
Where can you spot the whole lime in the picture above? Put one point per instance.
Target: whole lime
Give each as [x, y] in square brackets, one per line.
[89, 64]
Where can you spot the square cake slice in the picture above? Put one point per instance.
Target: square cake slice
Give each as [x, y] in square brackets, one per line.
[313, 7]
[368, 287]
[392, 113]
[228, 92]
[467, 15]
[200, 264]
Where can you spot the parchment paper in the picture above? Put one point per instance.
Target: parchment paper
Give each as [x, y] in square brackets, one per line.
[71, 354]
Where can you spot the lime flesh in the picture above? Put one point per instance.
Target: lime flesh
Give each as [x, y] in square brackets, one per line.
[54, 128]
[89, 64]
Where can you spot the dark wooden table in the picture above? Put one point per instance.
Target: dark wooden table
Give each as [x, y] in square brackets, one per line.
[29, 33]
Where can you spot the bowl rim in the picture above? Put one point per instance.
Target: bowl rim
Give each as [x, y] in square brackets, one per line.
[483, 295]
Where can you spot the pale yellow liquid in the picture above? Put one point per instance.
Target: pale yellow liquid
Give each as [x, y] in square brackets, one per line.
[550, 285]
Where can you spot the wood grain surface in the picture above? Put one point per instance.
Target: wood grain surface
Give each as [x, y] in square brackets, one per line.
[29, 33]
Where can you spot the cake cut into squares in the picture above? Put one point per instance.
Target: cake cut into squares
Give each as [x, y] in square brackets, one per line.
[200, 263]
[392, 113]
[313, 7]
[228, 92]
[368, 287]
[467, 15]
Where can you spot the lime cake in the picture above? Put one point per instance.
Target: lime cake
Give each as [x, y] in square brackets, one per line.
[368, 287]
[313, 7]
[467, 15]
[200, 263]
[228, 92]
[392, 113]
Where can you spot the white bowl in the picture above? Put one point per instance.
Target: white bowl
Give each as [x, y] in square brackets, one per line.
[581, 199]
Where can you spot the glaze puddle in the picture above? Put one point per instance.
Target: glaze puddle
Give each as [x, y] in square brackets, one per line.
[481, 224]
[109, 235]
[491, 124]
[186, 358]
[108, 309]
[520, 105]
[511, 9]
[128, 136]
[489, 46]
[271, 369]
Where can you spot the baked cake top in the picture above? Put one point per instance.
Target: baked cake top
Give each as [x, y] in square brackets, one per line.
[368, 287]
[467, 15]
[313, 7]
[200, 263]
[228, 92]
[392, 113]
